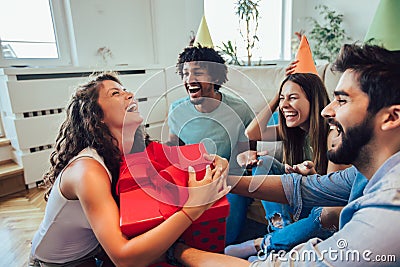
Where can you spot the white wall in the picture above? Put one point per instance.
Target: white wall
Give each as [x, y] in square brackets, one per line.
[122, 26]
[174, 21]
[357, 15]
[138, 32]
[152, 32]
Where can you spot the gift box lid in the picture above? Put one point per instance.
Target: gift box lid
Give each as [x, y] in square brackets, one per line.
[143, 168]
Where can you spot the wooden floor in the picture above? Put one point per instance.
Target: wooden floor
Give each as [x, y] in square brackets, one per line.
[20, 216]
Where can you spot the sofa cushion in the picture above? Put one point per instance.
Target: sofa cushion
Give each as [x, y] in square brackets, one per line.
[330, 79]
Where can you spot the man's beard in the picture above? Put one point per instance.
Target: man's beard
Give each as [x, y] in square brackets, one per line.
[353, 142]
[197, 101]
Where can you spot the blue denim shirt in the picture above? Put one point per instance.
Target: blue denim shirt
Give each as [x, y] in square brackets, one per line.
[368, 233]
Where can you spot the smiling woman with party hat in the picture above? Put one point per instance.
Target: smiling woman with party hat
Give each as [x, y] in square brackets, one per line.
[300, 100]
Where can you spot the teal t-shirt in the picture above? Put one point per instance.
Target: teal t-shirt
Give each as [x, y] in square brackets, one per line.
[220, 130]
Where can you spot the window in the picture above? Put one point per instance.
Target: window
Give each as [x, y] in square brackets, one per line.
[32, 33]
[273, 30]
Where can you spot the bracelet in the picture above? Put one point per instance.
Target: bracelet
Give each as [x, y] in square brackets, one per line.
[187, 215]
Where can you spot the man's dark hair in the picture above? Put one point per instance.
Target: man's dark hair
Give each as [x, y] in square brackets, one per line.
[204, 55]
[377, 70]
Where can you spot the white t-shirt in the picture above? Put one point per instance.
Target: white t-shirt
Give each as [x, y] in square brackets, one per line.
[65, 234]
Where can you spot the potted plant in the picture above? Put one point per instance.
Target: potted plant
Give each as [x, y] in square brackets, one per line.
[230, 50]
[326, 38]
[248, 14]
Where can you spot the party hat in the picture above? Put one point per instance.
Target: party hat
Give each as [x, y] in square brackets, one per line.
[304, 56]
[203, 37]
[384, 29]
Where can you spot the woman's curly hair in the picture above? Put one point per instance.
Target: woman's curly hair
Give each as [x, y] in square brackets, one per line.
[82, 128]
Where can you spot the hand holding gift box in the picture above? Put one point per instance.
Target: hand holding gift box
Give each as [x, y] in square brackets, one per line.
[153, 185]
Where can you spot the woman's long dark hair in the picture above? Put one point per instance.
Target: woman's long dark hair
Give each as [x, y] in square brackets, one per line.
[83, 127]
[294, 138]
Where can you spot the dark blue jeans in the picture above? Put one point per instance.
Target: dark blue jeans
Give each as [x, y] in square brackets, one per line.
[272, 166]
[290, 233]
[237, 216]
[296, 233]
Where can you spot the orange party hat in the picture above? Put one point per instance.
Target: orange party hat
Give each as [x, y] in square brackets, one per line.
[304, 56]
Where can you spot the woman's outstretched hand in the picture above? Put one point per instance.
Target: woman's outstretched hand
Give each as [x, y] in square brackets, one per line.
[304, 168]
[249, 158]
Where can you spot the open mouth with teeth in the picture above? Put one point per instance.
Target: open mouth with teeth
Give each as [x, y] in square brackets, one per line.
[132, 108]
[290, 114]
[336, 139]
[291, 117]
[194, 90]
[337, 127]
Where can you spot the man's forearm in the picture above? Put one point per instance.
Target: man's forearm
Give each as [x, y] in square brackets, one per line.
[264, 187]
[193, 257]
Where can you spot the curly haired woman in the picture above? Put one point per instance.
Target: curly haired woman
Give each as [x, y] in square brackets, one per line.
[82, 218]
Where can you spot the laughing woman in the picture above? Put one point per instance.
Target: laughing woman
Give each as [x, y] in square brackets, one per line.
[81, 221]
[304, 134]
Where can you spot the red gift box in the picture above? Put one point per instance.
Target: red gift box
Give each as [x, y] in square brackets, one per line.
[139, 213]
[161, 171]
[149, 194]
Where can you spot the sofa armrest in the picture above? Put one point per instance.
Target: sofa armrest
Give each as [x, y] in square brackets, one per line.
[330, 78]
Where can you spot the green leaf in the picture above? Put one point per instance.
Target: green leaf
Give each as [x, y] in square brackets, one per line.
[326, 37]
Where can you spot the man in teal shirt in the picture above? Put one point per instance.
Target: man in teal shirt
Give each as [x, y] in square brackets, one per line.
[214, 118]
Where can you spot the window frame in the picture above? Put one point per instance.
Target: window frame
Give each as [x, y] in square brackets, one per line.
[57, 9]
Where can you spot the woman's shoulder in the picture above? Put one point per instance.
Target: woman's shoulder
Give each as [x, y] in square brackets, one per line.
[89, 161]
[81, 174]
[89, 152]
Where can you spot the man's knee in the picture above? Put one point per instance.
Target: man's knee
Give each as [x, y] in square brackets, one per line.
[329, 217]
